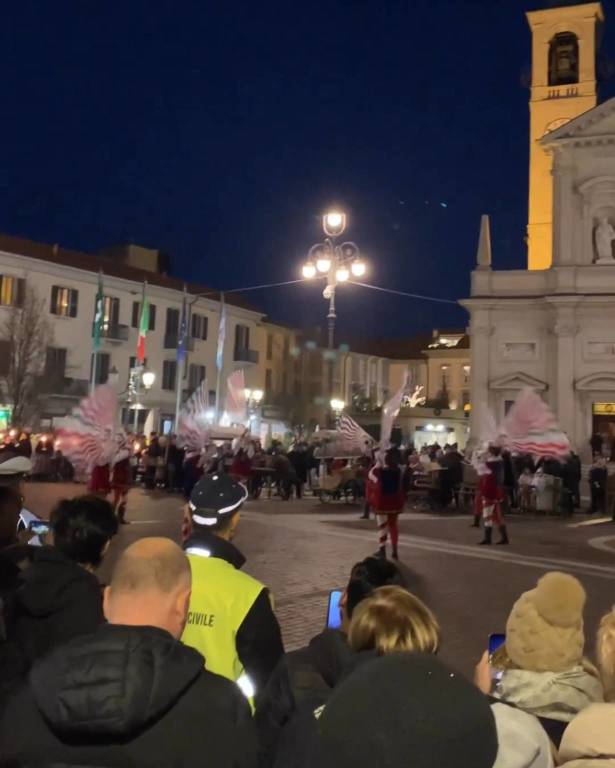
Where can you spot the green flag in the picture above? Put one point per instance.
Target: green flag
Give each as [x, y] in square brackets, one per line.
[98, 314]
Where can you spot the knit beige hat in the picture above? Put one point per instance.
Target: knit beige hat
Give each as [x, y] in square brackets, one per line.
[544, 632]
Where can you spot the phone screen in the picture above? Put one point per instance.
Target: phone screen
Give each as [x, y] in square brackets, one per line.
[334, 617]
[496, 640]
[38, 527]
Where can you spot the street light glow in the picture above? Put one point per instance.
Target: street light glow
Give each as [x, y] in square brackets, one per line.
[334, 223]
[309, 270]
[257, 395]
[323, 264]
[337, 405]
[248, 393]
[358, 268]
[342, 275]
[148, 379]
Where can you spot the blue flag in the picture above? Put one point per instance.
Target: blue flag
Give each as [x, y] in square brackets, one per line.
[183, 330]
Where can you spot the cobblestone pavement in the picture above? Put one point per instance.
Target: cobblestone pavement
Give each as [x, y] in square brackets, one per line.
[303, 549]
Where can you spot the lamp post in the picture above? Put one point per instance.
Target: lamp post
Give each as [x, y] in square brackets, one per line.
[336, 262]
[139, 375]
[253, 400]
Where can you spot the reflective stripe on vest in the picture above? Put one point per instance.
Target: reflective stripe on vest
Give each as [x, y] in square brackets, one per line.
[221, 599]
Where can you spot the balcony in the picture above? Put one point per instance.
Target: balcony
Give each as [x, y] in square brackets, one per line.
[114, 332]
[63, 386]
[171, 341]
[242, 355]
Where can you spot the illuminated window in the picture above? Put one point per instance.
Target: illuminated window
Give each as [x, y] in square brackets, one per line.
[63, 301]
[12, 291]
[111, 312]
[466, 374]
[199, 327]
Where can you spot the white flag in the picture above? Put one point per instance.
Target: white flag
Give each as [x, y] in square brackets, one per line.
[389, 413]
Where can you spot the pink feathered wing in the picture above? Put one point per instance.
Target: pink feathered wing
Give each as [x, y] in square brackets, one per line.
[530, 427]
[92, 437]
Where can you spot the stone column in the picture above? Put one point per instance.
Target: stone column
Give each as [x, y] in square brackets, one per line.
[480, 333]
[564, 335]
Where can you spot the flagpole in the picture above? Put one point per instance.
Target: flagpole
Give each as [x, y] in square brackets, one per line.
[182, 364]
[220, 358]
[96, 332]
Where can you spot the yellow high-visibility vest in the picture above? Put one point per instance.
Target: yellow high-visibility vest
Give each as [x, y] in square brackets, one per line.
[221, 599]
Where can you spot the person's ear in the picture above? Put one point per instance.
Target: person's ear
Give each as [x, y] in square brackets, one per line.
[182, 601]
[107, 603]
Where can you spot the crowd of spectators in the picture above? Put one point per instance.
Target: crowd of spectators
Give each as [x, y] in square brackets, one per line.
[111, 676]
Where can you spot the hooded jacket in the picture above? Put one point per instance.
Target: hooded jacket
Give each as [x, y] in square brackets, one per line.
[589, 740]
[55, 600]
[127, 696]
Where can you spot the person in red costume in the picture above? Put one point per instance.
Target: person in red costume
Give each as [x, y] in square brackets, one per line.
[99, 482]
[120, 483]
[387, 498]
[492, 495]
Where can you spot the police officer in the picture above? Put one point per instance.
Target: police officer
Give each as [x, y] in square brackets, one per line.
[13, 471]
[230, 617]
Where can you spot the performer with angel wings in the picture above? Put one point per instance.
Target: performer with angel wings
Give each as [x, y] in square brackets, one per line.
[528, 428]
[94, 442]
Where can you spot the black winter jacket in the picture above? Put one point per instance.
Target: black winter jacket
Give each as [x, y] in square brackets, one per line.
[55, 600]
[127, 696]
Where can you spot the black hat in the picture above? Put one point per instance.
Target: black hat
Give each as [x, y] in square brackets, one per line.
[216, 497]
[407, 709]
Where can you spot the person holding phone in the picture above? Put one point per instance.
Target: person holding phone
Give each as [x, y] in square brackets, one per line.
[58, 595]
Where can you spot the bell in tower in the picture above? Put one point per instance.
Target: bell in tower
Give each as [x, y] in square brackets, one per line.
[564, 59]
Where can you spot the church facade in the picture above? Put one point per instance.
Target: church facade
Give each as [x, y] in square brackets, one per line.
[552, 326]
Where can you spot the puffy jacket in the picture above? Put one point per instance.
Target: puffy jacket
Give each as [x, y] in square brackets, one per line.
[589, 740]
[55, 600]
[127, 696]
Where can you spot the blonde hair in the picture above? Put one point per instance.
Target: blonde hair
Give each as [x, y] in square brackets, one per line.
[605, 652]
[392, 620]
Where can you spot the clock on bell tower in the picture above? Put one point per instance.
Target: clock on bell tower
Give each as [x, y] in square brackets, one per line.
[564, 47]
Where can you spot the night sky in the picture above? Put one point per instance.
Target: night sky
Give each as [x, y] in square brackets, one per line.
[220, 131]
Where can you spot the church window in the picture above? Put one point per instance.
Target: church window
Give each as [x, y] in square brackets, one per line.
[564, 59]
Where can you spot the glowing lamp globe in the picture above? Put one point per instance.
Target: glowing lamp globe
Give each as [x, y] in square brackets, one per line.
[148, 379]
[309, 270]
[342, 275]
[358, 268]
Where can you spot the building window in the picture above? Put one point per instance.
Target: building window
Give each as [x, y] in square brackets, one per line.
[268, 382]
[136, 316]
[172, 322]
[198, 327]
[242, 337]
[5, 357]
[564, 59]
[446, 375]
[63, 301]
[286, 348]
[211, 397]
[269, 346]
[102, 360]
[169, 374]
[55, 363]
[466, 374]
[12, 291]
[196, 375]
[132, 363]
[111, 312]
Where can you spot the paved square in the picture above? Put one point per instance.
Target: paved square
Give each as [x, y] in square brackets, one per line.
[303, 549]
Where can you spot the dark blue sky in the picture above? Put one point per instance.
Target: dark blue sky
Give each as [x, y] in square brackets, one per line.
[220, 131]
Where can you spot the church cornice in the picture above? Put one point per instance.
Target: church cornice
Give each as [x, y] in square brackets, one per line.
[572, 131]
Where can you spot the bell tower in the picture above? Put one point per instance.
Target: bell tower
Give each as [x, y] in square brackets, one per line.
[564, 46]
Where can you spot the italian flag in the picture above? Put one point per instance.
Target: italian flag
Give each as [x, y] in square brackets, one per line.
[143, 326]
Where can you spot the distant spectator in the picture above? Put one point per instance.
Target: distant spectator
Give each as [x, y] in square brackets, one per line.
[130, 693]
[597, 478]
